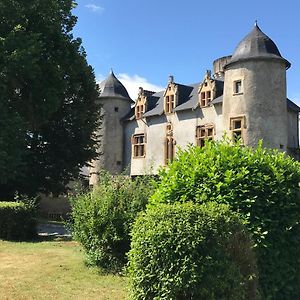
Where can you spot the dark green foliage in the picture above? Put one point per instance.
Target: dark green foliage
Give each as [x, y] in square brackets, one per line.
[48, 94]
[17, 220]
[261, 184]
[102, 218]
[189, 251]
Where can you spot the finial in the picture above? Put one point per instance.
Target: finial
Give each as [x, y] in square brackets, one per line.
[111, 71]
[255, 24]
[171, 79]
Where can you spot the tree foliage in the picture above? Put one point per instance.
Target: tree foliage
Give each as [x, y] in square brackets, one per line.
[48, 91]
[262, 184]
[102, 218]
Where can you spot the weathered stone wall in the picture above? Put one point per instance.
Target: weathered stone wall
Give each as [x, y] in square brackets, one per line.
[262, 101]
[112, 137]
[293, 129]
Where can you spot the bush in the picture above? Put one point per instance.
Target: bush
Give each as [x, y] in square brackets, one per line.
[17, 221]
[188, 251]
[102, 218]
[264, 186]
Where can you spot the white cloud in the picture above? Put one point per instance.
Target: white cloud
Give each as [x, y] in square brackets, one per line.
[94, 7]
[132, 84]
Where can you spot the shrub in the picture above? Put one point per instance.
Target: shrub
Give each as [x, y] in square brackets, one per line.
[264, 186]
[102, 218]
[17, 221]
[188, 251]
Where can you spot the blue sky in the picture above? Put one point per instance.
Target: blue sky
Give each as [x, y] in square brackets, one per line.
[146, 41]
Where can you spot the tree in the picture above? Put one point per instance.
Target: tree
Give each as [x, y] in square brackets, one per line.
[49, 93]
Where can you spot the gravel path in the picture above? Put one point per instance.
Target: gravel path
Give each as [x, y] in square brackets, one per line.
[46, 229]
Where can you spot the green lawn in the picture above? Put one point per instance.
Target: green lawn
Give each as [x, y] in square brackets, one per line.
[53, 270]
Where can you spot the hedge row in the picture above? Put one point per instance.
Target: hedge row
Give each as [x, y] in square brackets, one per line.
[189, 251]
[17, 221]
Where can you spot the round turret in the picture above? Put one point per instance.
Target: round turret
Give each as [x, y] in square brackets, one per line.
[257, 45]
[111, 87]
[115, 105]
[254, 99]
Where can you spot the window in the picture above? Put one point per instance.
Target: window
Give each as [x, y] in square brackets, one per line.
[205, 98]
[237, 87]
[236, 127]
[169, 144]
[203, 133]
[169, 149]
[139, 110]
[138, 144]
[170, 103]
[116, 109]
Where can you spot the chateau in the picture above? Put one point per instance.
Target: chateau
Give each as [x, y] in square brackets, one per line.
[245, 98]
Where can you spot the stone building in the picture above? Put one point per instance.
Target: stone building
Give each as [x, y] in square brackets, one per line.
[245, 98]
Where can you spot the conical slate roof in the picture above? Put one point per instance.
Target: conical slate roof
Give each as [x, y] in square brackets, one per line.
[256, 45]
[111, 87]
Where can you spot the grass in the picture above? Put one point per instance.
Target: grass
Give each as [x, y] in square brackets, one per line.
[53, 270]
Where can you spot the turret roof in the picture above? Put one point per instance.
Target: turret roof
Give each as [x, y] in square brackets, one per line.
[256, 45]
[111, 87]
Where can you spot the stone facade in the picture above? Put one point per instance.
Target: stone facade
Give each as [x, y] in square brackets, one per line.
[244, 98]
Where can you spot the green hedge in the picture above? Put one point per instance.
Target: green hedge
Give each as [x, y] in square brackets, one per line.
[17, 221]
[102, 218]
[263, 185]
[189, 251]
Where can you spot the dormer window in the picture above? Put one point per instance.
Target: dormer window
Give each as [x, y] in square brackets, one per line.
[170, 96]
[207, 90]
[139, 110]
[205, 98]
[141, 103]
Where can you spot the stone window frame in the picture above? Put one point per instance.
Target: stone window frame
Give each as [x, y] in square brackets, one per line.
[205, 98]
[139, 110]
[203, 133]
[238, 87]
[237, 127]
[169, 145]
[170, 103]
[138, 142]
[206, 90]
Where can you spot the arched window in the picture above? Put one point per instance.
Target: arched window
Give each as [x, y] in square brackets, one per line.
[169, 144]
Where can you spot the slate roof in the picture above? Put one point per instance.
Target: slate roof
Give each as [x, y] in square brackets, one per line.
[112, 87]
[130, 115]
[256, 45]
[292, 106]
[188, 98]
[217, 100]
[156, 105]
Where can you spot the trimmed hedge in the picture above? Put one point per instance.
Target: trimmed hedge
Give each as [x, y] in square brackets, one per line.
[189, 251]
[102, 218]
[263, 185]
[17, 221]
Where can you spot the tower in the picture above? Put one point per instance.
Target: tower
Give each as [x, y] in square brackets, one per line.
[254, 99]
[115, 103]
